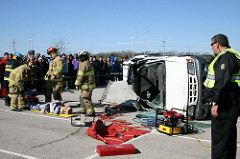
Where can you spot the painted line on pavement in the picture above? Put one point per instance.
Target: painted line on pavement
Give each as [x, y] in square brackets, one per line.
[17, 154]
[185, 137]
[45, 116]
[92, 156]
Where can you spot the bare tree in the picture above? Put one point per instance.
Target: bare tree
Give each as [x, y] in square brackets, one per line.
[60, 45]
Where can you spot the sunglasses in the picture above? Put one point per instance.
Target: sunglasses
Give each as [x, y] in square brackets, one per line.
[213, 43]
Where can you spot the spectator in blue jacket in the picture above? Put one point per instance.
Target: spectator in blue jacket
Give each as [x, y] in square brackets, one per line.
[115, 68]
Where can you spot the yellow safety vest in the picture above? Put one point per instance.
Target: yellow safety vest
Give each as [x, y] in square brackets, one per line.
[210, 80]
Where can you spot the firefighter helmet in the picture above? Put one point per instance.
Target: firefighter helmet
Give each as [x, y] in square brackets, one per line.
[51, 49]
[18, 54]
[83, 53]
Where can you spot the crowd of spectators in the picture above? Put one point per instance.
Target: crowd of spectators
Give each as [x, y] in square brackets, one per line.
[105, 69]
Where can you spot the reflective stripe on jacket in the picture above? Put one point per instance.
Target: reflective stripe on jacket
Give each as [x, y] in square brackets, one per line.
[85, 77]
[55, 68]
[10, 65]
[210, 80]
[17, 77]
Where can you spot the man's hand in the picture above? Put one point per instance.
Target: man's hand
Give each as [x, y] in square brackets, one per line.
[214, 110]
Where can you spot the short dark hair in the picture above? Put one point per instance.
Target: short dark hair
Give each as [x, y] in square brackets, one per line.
[6, 53]
[221, 39]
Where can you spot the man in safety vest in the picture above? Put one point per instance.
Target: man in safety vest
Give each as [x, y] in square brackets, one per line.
[223, 84]
[86, 82]
[10, 65]
[53, 77]
[16, 88]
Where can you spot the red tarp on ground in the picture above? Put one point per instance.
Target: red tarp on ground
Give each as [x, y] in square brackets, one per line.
[113, 133]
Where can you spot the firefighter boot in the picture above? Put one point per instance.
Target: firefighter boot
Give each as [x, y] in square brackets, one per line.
[21, 107]
[13, 107]
[82, 106]
[82, 110]
[90, 112]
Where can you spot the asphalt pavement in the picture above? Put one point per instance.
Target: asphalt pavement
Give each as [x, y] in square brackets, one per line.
[32, 135]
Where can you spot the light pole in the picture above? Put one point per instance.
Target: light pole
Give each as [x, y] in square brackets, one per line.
[31, 43]
[145, 42]
[133, 37]
[30, 38]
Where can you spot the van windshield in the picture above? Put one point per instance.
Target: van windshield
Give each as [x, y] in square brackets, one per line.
[150, 84]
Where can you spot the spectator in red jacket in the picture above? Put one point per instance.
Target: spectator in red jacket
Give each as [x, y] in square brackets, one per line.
[2, 66]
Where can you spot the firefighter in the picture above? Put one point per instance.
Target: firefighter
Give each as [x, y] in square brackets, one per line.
[16, 88]
[53, 77]
[10, 65]
[86, 82]
[223, 85]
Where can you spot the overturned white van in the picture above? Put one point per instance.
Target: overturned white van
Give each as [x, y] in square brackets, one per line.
[168, 82]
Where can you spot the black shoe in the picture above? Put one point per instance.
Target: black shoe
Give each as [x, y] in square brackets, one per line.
[17, 110]
[7, 103]
[90, 115]
[25, 108]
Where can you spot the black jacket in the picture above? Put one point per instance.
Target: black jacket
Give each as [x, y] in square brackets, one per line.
[226, 94]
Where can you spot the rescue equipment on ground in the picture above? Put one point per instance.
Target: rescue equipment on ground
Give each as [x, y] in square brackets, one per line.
[112, 113]
[113, 133]
[172, 122]
[31, 99]
[145, 121]
[79, 122]
[112, 109]
[110, 150]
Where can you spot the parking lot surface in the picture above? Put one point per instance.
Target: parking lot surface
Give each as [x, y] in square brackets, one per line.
[30, 134]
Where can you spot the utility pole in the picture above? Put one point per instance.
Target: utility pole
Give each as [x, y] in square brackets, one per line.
[31, 43]
[133, 37]
[145, 42]
[164, 45]
[14, 42]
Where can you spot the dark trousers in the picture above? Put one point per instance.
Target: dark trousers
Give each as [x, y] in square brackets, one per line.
[7, 90]
[224, 137]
